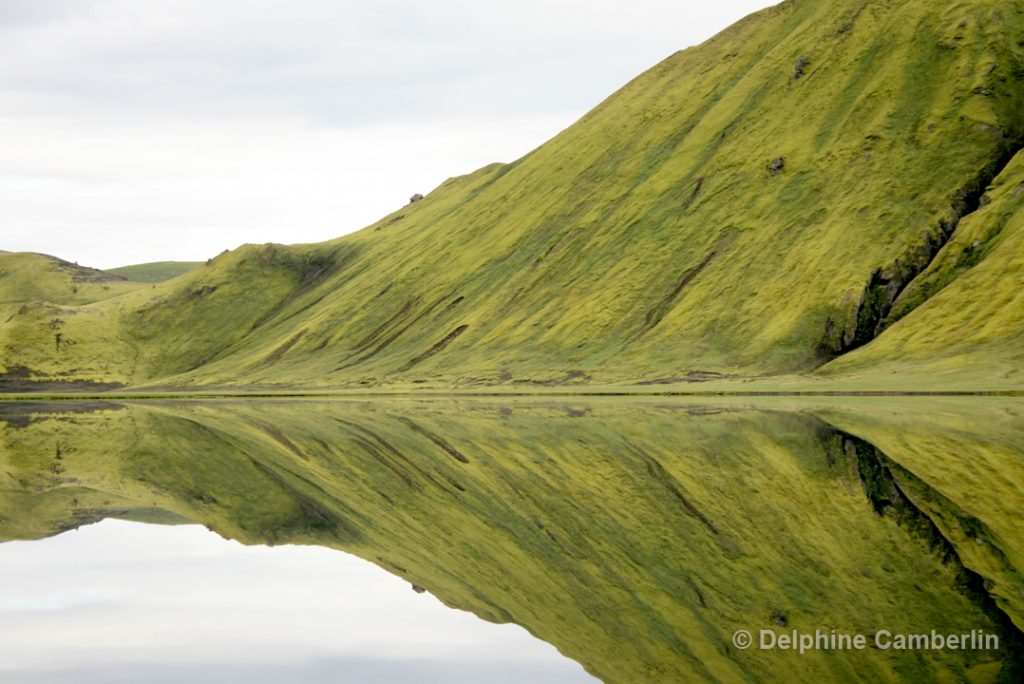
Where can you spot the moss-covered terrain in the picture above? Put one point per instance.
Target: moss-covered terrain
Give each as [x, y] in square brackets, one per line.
[155, 272]
[824, 185]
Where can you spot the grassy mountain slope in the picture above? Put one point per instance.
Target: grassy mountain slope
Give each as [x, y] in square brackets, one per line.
[155, 329]
[155, 272]
[973, 319]
[39, 296]
[755, 205]
[635, 537]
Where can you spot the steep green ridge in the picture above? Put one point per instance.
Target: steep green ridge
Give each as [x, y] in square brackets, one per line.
[756, 205]
[155, 272]
[636, 537]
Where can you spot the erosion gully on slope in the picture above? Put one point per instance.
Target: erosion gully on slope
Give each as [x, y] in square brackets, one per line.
[844, 331]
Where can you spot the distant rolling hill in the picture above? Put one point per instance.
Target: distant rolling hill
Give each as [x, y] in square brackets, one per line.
[155, 272]
[27, 277]
[826, 189]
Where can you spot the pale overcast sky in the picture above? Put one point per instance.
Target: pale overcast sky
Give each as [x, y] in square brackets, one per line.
[155, 130]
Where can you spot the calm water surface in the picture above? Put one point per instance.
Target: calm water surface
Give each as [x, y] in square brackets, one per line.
[122, 601]
[524, 540]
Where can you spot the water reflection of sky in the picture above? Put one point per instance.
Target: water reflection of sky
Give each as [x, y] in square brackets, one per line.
[126, 602]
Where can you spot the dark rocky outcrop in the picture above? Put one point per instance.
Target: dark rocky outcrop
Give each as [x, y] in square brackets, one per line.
[800, 68]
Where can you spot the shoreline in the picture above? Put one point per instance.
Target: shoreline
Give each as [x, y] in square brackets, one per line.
[14, 397]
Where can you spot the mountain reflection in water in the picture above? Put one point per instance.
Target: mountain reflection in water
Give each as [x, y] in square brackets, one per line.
[637, 537]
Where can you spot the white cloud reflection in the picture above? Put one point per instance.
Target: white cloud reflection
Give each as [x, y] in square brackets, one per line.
[126, 602]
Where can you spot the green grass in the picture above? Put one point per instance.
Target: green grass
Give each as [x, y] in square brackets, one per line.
[27, 278]
[155, 272]
[635, 536]
[970, 319]
[649, 241]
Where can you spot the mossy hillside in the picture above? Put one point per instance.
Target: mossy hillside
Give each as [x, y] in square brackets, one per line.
[47, 342]
[40, 302]
[963, 316]
[154, 272]
[197, 317]
[156, 329]
[584, 231]
[26, 277]
[656, 238]
[634, 538]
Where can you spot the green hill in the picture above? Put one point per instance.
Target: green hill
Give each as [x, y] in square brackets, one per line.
[27, 277]
[807, 181]
[155, 272]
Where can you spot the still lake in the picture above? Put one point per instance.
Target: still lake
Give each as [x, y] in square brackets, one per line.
[513, 540]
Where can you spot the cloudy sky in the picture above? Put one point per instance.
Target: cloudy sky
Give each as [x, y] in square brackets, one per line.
[174, 129]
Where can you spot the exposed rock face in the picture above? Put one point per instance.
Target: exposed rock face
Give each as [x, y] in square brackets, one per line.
[415, 198]
[801, 67]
